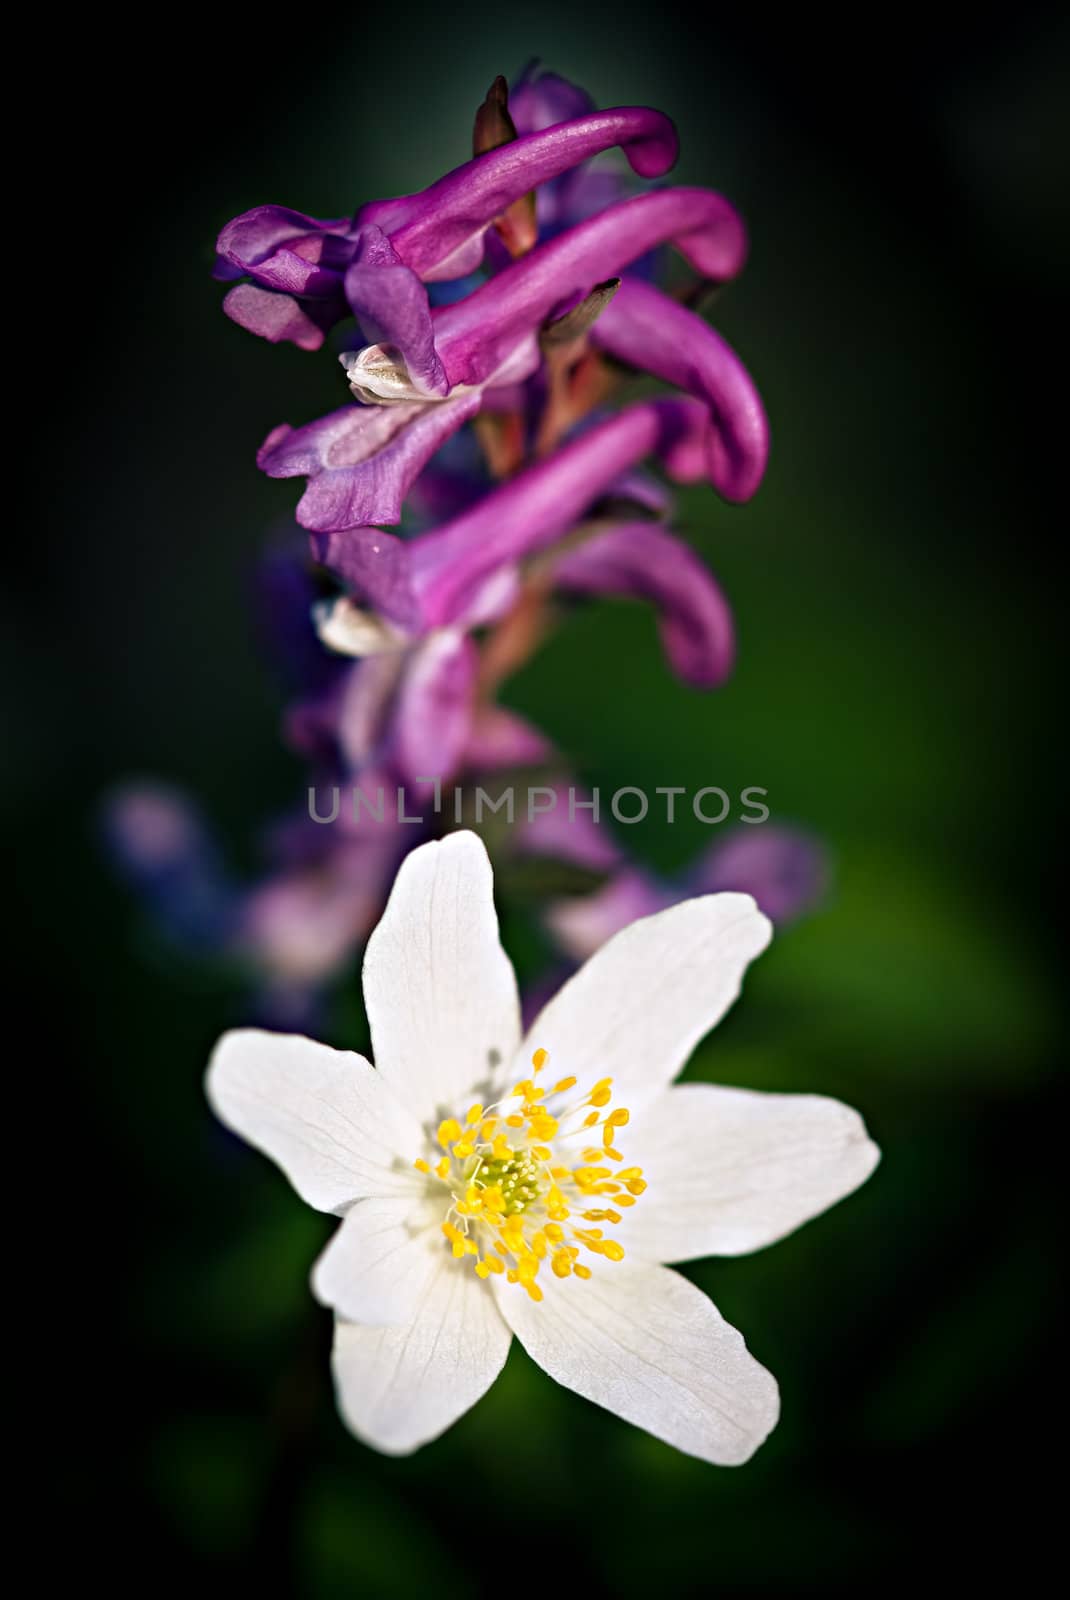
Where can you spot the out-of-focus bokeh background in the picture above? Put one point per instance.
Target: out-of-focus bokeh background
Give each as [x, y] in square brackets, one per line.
[895, 693]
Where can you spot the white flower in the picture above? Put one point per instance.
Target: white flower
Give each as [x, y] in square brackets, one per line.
[491, 1186]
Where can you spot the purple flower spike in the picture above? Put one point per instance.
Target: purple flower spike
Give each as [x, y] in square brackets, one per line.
[644, 561]
[643, 327]
[297, 264]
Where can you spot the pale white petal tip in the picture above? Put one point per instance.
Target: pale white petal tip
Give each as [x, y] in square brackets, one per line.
[344, 628]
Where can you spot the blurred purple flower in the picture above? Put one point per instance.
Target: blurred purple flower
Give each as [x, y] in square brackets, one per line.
[785, 869]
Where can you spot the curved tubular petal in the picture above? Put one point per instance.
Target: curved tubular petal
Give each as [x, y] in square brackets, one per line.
[474, 336]
[643, 560]
[538, 505]
[428, 230]
[391, 305]
[643, 327]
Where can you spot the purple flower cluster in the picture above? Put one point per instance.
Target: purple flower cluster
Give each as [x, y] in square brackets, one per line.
[472, 479]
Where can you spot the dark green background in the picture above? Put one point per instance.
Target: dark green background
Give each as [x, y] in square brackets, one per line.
[895, 691]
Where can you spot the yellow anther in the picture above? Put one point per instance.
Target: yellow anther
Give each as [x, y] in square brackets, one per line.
[636, 1186]
[590, 1120]
[539, 1059]
[482, 1270]
[511, 1276]
[541, 1152]
[593, 1216]
[581, 1271]
[625, 1200]
[495, 1264]
[607, 1135]
[614, 1155]
[592, 1154]
[474, 1114]
[601, 1097]
[559, 1213]
[538, 1244]
[613, 1250]
[448, 1130]
[619, 1118]
[554, 1233]
[561, 1264]
[463, 1149]
[611, 1216]
[527, 1269]
[603, 1083]
[563, 1084]
[487, 1128]
[493, 1199]
[501, 1149]
[421, 1165]
[443, 1169]
[450, 1231]
[514, 1122]
[534, 1291]
[470, 1247]
[629, 1172]
[523, 1090]
[560, 1172]
[458, 1248]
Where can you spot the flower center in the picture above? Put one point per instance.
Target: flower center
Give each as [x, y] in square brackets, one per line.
[521, 1178]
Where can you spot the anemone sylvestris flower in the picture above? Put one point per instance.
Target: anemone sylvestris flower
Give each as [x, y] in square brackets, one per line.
[491, 1185]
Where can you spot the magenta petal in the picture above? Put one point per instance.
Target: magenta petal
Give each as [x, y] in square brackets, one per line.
[373, 489]
[253, 238]
[432, 715]
[391, 305]
[541, 503]
[281, 319]
[643, 327]
[434, 232]
[375, 568]
[643, 560]
[475, 334]
[500, 738]
[565, 830]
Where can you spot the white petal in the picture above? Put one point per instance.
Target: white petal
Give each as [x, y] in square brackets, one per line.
[397, 1388]
[326, 1117]
[642, 1002]
[649, 1346]
[439, 989]
[729, 1170]
[378, 1266]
